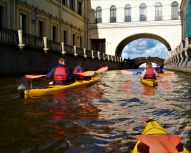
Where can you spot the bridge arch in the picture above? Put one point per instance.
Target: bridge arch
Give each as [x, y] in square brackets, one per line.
[140, 60]
[131, 38]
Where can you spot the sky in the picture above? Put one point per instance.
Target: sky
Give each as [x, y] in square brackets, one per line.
[144, 47]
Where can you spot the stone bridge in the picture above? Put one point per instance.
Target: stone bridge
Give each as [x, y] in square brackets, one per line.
[136, 62]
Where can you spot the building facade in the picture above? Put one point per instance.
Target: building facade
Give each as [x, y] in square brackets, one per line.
[58, 20]
[185, 12]
[114, 23]
[180, 58]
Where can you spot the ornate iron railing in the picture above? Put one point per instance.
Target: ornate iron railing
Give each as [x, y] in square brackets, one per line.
[9, 36]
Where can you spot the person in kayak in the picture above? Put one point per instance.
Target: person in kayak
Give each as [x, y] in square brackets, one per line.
[78, 69]
[61, 74]
[149, 72]
[159, 70]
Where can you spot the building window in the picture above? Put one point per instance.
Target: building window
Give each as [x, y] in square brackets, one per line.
[74, 39]
[158, 11]
[143, 12]
[54, 33]
[113, 14]
[40, 28]
[72, 4]
[1, 17]
[79, 7]
[64, 2]
[23, 23]
[98, 15]
[174, 11]
[127, 13]
[65, 37]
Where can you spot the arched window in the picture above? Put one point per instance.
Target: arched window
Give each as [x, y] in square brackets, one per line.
[98, 15]
[127, 13]
[158, 11]
[174, 10]
[113, 14]
[143, 12]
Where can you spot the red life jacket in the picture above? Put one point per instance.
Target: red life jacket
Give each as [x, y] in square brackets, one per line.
[149, 73]
[60, 73]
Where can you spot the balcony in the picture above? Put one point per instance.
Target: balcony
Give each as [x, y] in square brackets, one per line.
[143, 18]
[112, 19]
[128, 19]
[174, 17]
[98, 20]
[158, 18]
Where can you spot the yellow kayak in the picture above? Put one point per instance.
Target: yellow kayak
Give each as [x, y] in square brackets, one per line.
[155, 139]
[56, 88]
[166, 74]
[149, 82]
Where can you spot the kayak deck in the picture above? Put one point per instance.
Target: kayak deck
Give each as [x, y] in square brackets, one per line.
[56, 88]
[149, 82]
[154, 131]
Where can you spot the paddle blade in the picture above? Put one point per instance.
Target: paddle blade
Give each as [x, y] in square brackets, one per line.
[126, 72]
[102, 69]
[87, 73]
[29, 76]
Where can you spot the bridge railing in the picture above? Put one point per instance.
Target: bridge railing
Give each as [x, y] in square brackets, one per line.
[69, 49]
[54, 46]
[32, 41]
[9, 36]
[79, 51]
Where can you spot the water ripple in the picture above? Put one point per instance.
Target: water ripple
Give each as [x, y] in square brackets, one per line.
[102, 118]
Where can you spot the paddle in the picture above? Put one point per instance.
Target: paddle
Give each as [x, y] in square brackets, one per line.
[91, 73]
[30, 76]
[102, 69]
[126, 72]
[86, 73]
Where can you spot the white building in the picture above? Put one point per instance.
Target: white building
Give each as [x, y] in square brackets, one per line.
[115, 23]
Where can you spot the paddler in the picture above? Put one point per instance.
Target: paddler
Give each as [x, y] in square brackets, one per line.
[78, 69]
[159, 70]
[149, 72]
[61, 74]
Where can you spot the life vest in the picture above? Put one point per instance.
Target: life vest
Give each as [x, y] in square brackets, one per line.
[159, 143]
[77, 70]
[149, 73]
[60, 73]
[159, 71]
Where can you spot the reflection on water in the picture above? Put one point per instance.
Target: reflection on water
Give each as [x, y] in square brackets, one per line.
[101, 118]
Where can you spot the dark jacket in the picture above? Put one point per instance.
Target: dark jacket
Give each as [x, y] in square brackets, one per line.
[68, 71]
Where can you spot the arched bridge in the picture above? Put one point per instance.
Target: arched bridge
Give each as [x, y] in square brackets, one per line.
[136, 62]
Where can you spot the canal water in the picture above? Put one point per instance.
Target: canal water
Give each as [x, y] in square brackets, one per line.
[104, 117]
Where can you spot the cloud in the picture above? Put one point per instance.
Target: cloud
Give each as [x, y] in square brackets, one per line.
[143, 48]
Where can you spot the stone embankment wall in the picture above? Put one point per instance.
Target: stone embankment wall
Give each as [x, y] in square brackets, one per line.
[180, 58]
[29, 60]
[38, 56]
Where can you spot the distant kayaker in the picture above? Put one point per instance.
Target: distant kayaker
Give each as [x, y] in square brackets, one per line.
[61, 74]
[159, 70]
[78, 69]
[149, 72]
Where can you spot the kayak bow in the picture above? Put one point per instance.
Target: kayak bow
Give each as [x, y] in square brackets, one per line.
[155, 139]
